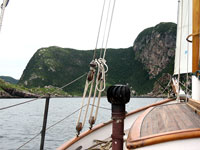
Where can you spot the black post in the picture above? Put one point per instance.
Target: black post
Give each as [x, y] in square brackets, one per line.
[43, 132]
[118, 96]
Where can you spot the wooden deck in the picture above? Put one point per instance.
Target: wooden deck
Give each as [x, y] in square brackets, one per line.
[168, 118]
[164, 123]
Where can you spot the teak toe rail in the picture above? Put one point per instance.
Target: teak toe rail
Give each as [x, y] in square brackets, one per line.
[163, 137]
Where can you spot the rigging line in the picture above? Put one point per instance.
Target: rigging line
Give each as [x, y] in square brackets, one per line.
[71, 82]
[91, 118]
[99, 30]
[109, 29]
[178, 96]
[185, 86]
[20, 103]
[101, 107]
[50, 127]
[40, 96]
[28, 141]
[94, 95]
[105, 28]
[187, 76]
[98, 102]
[89, 97]
[83, 99]
[65, 117]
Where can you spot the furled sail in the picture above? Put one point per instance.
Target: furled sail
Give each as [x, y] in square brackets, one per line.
[183, 54]
[3, 5]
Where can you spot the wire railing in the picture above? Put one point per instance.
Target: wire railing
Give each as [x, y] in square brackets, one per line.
[61, 120]
[40, 98]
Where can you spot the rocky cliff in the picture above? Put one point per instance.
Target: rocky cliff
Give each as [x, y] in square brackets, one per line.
[139, 66]
[154, 47]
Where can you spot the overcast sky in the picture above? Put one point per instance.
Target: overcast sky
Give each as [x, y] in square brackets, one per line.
[31, 24]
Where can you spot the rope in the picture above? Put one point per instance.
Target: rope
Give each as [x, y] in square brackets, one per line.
[49, 128]
[167, 84]
[178, 96]
[65, 118]
[164, 88]
[40, 96]
[99, 30]
[28, 141]
[109, 29]
[89, 97]
[101, 63]
[98, 102]
[187, 76]
[92, 119]
[100, 79]
[194, 34]
[185, 86]
[94, 99]
[19, 104]
[72, 81]
[101, 107]
[83, 99]
[56, 124]
[105, 28]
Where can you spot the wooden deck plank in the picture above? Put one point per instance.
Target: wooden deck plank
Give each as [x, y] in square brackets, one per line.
[192, 116]
[165, 123]
[168, 118]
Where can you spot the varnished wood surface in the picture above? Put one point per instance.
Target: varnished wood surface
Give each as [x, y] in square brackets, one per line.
[163, 137]
[169, 118]
[195, 41]
[164, 123]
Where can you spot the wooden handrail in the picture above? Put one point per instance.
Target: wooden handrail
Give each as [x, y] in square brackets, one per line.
[163, 137]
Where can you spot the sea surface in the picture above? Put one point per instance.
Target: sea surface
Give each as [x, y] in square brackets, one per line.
[19, 124]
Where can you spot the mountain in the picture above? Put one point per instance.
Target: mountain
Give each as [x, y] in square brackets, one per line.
[9, 79]
[139, 66]
[154, 47]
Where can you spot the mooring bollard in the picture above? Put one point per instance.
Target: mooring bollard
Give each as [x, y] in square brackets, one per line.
[118, 96]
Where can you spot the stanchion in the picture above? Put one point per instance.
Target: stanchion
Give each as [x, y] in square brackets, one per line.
[43, 132]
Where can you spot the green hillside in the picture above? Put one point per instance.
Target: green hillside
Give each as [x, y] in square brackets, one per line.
[56, 66]
[9, 79]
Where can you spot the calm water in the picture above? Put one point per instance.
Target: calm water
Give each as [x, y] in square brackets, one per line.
[21, 123]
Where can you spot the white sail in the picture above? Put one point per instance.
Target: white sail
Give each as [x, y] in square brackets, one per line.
[183, 55]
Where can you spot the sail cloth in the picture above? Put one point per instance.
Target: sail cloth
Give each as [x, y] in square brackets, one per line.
[5, 3]
[183, 54]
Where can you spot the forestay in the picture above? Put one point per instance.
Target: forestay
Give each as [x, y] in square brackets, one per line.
[183, 55]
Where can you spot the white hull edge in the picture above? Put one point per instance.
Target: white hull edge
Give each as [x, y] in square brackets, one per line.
[195, 88]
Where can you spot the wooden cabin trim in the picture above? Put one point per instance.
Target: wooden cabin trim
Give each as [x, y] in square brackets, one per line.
[135, 131]
[195, 105]
[82, 135]
[163, 137]
[152, 105]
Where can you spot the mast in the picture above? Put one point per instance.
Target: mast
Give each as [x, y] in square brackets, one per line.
[195, 49]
